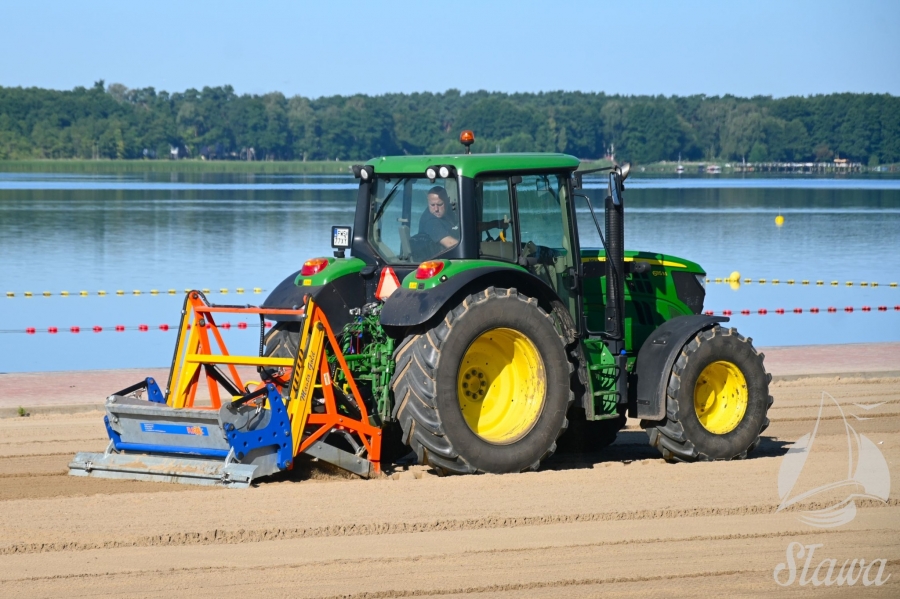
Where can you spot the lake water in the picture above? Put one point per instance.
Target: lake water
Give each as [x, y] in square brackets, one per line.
[74, 233]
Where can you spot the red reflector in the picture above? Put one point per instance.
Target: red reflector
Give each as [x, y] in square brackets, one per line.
[268, 324]
[314, 266]
[429, 269]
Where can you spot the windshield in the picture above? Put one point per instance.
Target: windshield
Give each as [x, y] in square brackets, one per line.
[412, 219]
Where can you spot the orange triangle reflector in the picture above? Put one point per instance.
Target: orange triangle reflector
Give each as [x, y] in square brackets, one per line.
[387, 284]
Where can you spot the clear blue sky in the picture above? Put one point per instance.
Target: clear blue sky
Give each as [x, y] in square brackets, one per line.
[753, 47]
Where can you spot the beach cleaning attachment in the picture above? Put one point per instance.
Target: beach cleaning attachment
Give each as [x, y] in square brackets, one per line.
[249, 429]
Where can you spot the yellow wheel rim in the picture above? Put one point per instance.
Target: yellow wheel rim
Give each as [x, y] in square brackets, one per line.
[501, 386]
[720, 397]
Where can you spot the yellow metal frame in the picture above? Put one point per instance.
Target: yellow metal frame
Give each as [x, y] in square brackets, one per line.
[199, 336]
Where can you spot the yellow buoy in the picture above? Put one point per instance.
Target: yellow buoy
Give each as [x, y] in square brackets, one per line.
[735, 276]
[779, 220]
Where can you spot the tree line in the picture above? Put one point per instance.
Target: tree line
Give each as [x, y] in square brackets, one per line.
[114, 122]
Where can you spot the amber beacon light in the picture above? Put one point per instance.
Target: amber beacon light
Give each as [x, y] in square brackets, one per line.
[467, 138]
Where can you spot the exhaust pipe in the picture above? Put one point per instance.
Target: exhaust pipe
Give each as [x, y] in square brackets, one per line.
[615, 259]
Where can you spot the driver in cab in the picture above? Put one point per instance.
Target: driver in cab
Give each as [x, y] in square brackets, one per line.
[437, 222]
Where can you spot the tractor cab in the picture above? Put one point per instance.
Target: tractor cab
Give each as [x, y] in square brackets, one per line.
[513, 211]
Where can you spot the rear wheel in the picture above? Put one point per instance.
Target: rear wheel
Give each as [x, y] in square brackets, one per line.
[281, 341]
[487, 388]
[716, 400]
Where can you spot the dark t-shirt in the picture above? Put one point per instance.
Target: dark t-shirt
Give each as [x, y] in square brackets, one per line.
[438, 228]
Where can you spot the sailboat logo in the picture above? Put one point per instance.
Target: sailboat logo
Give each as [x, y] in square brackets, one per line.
[866, 477]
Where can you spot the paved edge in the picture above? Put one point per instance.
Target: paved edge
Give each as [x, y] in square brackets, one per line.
[99, 407]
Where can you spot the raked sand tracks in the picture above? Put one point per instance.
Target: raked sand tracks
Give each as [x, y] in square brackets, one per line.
[620, 522]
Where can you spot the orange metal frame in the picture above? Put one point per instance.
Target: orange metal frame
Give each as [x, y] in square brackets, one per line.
[368, 434]
[194, 352]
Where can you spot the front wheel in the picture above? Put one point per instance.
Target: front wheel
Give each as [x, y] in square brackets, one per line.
[487, 388]
[716, 400]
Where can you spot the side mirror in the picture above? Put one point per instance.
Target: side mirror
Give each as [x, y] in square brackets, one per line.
[614, 191]
[625, 170]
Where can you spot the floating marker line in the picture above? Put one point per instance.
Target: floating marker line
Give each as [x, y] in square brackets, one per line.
[122, 292]
[121, 328]
[808, 282]
[813, 310]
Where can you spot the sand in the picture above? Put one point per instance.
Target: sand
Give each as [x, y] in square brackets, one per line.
[617, 523]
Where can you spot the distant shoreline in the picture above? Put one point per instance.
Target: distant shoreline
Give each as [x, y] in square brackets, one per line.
[690, 169]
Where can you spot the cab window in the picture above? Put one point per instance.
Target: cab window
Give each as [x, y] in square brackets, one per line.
[412, 219]
[494, 211]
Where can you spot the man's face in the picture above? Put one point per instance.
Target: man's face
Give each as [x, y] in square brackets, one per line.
[436, 205]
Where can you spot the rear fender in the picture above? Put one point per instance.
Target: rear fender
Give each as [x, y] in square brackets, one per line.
[413, 307]
[656, 358]
[335, 297]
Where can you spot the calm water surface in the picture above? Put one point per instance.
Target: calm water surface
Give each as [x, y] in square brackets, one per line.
[70, 232]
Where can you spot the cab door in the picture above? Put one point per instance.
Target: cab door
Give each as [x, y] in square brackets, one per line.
[546, 234]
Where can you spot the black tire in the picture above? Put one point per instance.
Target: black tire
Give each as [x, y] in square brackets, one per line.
[425, 386]
[282, 341]
[680, 436]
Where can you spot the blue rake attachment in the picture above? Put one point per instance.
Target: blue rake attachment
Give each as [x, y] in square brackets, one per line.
[244, 439]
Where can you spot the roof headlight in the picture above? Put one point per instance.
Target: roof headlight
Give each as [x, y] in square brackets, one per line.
[444, 172]
[431, 173]
[702, 280]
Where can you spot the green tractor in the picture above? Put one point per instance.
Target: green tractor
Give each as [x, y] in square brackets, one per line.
[469, 327]
[480, 329]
